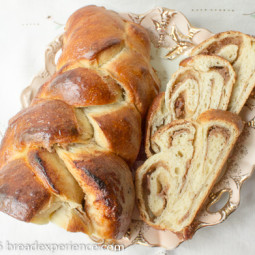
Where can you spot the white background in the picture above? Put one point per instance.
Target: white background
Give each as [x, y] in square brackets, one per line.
[26, 27]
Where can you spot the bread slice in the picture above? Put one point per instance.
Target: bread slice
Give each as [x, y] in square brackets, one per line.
[204, 82]
[239, 50]
[172, 185]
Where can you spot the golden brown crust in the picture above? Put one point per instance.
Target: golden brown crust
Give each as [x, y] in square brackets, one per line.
[225, 39]
[44, 124]
[52, 172]
[224, 116]
[21, 193]
[138, 39]
[185, 61]
[81, 40]
[43, 169]
[119, 130]
[189, 60]
[81, 87]
[107, 183]
[132, 72]
[115, 37]
[153, 110]
[155, 106]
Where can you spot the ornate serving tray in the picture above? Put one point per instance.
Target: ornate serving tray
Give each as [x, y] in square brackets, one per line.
[172, 37]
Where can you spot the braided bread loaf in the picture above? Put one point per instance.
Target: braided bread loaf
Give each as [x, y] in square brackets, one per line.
[65, 158]
[239, 50]
[203, 82]
[172, 184]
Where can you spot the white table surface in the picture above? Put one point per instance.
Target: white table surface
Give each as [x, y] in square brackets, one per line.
[27, 26]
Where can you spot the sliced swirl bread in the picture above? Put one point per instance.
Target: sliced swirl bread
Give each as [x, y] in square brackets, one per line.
[239, 50]
[172, 185]
[203, 82]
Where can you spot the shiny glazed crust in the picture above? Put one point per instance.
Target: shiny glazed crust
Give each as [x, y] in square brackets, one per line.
[66, 157]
